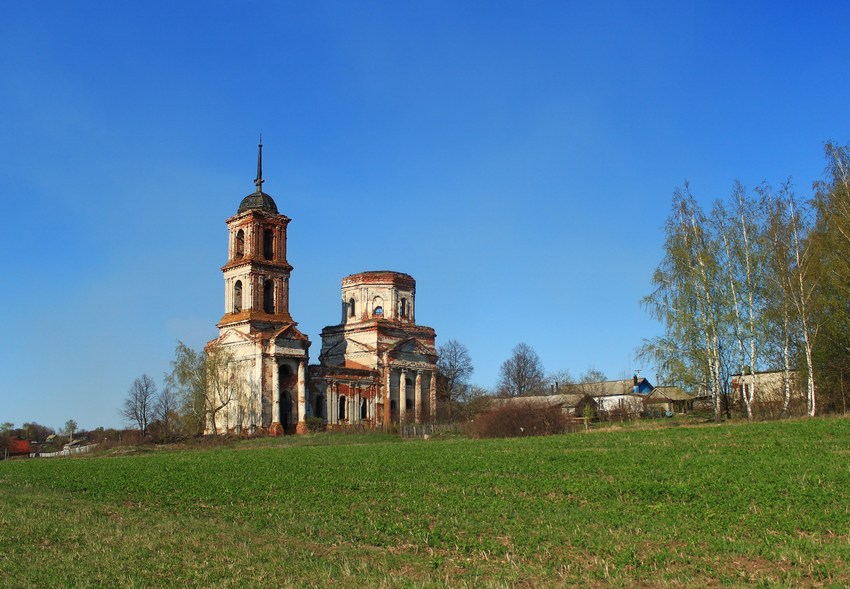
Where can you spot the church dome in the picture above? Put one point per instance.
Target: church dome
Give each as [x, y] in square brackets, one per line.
[258, 200]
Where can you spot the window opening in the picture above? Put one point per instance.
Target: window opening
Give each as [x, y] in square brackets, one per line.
[237, 296]
[268, 244]
[268, 296]
[351, 307]
[342, 403]
[240, 244]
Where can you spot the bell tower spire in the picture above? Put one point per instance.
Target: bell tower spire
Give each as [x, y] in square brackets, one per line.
[259, 181]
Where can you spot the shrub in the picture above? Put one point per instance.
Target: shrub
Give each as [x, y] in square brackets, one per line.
[519, 419]
[315, 424]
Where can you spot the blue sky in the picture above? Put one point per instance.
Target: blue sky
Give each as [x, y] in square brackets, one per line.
[516, 158]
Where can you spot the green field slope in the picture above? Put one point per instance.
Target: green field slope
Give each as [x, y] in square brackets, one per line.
[766, 504]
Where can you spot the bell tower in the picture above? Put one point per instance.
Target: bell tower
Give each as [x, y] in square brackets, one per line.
[269, 354]
[256, 275]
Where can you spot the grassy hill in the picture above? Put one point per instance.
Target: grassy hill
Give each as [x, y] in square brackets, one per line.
[764, 503]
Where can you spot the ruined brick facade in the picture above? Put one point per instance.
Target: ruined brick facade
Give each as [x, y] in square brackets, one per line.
[376, 367]
[378, 353]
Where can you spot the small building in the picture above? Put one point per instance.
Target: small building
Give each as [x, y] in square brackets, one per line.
[571, 404]
[624, 396]
[19, 447]
[669, 399]
[768, 386]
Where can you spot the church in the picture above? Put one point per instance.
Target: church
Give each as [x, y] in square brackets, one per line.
[377, 367]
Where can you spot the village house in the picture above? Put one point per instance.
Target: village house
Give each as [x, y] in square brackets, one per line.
[625, 396]
[571, 404]
[668, 400]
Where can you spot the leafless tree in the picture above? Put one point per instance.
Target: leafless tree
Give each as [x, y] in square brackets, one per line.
[139, 404]
[521, 374]
[165, 411]
[454, 366]
[560, 381]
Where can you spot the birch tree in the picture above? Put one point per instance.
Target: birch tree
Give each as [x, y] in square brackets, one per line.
[740, 231]
[206, 383]
[802, 290]
[832, 243]
[781, 320]
[701, 296]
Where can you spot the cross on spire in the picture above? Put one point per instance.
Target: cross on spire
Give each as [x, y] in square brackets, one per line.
[259, 181]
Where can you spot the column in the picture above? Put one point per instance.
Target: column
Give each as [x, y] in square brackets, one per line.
[357, 403]
[417, 398]
[275, 428]
[335, 407]
[301, 428]
[402, 396]
[329, 391]
[386, 390]
[433, 404]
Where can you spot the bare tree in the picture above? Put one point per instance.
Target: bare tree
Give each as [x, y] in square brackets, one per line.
[521, 374]
[454, 367]
[591, 383]
[560, 381]
[165, 410]
[139, 404]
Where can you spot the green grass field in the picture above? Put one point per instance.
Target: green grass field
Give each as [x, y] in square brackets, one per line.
[766, 504]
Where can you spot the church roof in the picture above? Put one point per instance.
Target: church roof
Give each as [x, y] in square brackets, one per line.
[258, 201]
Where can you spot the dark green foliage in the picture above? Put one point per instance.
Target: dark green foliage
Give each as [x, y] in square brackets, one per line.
[315, 424]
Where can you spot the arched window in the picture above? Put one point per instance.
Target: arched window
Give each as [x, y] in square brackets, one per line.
[351, 307]
[403, 306]
[268, 244]
[240, 244]
[268, 296]
[237, 296]
[377, 307]
[342, 405]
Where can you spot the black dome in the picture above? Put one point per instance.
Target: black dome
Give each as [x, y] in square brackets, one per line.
[258, 201]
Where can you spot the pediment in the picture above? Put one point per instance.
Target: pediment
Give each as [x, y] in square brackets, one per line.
[232, 336]
[353, 346]
[288, 332]
[410, 347]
